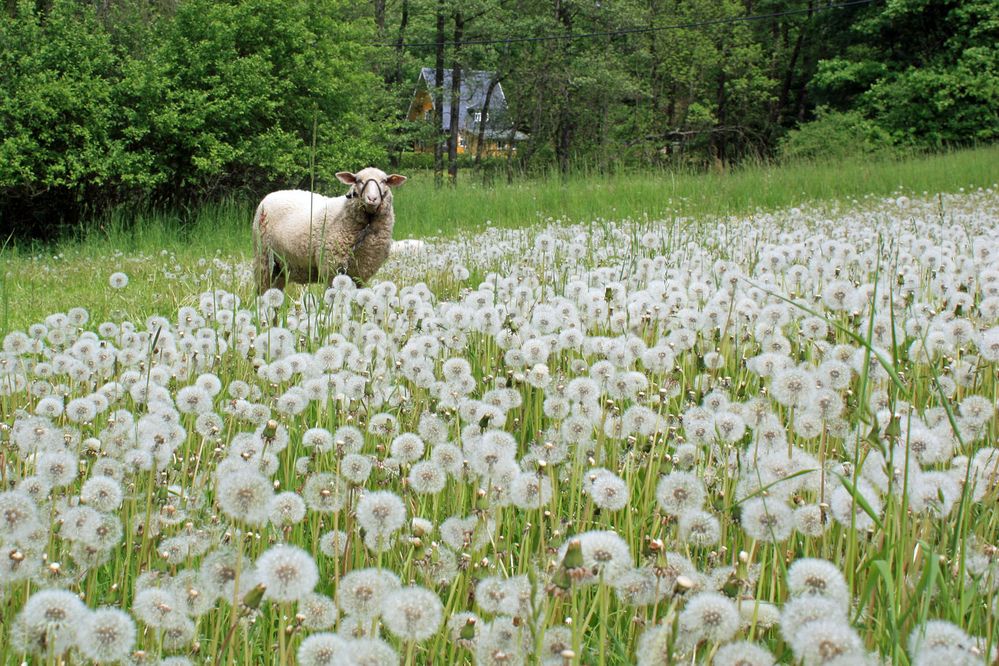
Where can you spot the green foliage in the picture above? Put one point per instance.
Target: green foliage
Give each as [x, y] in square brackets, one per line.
[927, 71]
[57, 119]
[229, 94]
[835, 135]
[940, 104]
[151, 105]
[220, 96]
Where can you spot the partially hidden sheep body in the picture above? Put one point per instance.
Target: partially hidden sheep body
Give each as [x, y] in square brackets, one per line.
[349, 234]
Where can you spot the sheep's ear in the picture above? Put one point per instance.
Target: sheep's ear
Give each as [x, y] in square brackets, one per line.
[346, 177]
[395, 180]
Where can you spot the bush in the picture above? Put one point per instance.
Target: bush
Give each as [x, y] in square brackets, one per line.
[835, 135]
[220, 97]
[940, 105]
[230, 93]
[59, 137]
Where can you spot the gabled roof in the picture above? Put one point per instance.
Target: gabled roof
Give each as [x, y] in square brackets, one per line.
[472, 97]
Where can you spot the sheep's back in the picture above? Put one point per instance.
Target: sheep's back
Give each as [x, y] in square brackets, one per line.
[282, 221]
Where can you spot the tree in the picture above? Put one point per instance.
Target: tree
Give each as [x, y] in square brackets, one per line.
[59, 141]
[925, 70]
[231, 92]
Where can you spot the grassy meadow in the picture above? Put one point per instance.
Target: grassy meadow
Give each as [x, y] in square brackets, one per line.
[159, 247]
[742, 418]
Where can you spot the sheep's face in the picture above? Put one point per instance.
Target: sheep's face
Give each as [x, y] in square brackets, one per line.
[371, 186]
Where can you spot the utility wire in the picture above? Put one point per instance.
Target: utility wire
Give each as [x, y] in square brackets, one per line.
[631, 31]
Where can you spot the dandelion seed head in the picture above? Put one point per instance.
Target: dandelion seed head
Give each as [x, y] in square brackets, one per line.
[324, 649]
[769, 520]
[371, 652]
[679, 492]
[708, 616]
[850, 513]
[156, 607]
[103, 493]
[118, 280]
[743, 653]
[106, 635]
[427, 478]
[362, 591]
[324, 492]
[699, 528]
[57, 467]
[286, 508]
[381, 512]
[655, 646]
[288, 572]
[640, 587]
[48, 623]
[245, 496]
[799, 611]
[407, 447]
[610, 492]
[827, 641]
[412, 613]
[18, 514]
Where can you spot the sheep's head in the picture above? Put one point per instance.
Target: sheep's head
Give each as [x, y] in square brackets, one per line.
[372, 187]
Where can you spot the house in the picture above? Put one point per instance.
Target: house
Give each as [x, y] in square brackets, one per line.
[471, 113]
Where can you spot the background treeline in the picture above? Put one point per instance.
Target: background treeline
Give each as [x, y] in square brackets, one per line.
[168, 103]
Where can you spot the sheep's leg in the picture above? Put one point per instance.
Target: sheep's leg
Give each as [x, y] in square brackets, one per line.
[270, 272]
[263, 270]
[279, 276]
[263, 260]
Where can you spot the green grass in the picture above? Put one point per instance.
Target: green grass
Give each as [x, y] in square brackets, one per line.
[39, 280]
[909, 568]
[665, 194]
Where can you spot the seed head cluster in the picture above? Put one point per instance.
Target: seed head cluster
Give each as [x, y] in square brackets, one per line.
[654, 442]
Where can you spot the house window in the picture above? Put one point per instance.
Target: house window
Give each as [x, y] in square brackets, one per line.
[478, 116]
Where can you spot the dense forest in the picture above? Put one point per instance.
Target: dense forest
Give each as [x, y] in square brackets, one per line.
[170, 102]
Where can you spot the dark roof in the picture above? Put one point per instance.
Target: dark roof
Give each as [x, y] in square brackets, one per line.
[474, 84]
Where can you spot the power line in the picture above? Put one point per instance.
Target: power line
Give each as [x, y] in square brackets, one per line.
[631, 31]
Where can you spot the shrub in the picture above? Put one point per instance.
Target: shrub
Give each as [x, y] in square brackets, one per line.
[58, 135]
[835, 135]
[215, 97]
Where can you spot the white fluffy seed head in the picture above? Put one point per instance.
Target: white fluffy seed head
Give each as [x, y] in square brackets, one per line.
[323, 649]
[107, 635]
[679, 492]
[412, 613]
[288, 572]
[362, 591]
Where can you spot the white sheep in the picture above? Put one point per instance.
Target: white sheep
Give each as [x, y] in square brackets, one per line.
[349, 234]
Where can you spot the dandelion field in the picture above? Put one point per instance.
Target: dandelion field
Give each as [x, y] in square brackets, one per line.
[756, 439]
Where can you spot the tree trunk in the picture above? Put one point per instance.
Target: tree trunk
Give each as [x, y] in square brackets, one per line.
[785, 89]
[808, 65]
[718, 139]
[439, 98]
[455, 129]
[566, 122]
[481, 138]
[380, 17]
[400, 41]
[395, 78]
